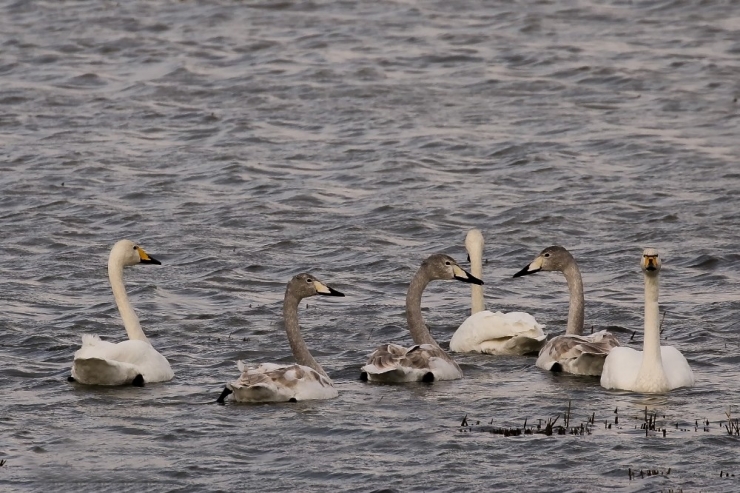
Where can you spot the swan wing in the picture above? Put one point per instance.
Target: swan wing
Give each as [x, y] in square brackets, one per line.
[269, 382]
[677, 369]
[620, 368]
[499, 333]
[580, 355]
[100, 362]
[392, 363]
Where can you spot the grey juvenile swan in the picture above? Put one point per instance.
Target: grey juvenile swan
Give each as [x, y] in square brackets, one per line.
[425, 361]
[270, 382]
[571, 352]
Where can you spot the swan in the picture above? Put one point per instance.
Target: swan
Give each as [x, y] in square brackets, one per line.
[571, 352]
[270, 382]
[493, 333]
[426, 361]
[134, 361]
[655, 369]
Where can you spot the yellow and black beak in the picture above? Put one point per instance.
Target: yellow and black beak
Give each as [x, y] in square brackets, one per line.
[322, 288]
[145, 258]
[535, 266]
[465, 276]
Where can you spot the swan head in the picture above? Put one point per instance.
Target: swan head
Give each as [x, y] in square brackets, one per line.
[650, 262]
[474, 243]
[127, 253]
[552, 258]
[440, 266]
[305, 285]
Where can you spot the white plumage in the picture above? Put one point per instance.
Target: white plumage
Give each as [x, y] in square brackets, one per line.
[488, 332]
[655, 369]
[99, 362]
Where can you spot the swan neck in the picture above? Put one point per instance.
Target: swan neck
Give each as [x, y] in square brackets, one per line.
[300, 352]
[575, 288]
[128, 315]
[651, 343]
[419, 331]
[477, 304]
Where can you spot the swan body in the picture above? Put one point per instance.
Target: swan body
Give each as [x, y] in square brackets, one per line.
[425, 361]
[420, 363]
[571, 352]
[306, 380]
[269, 382]
[498, 333]
[493, 333]
[579, 355]
[100, 362]
[655, 369]
[134, 361]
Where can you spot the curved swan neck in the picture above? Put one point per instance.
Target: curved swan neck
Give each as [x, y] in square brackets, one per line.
[477, 304]
[419, 331]
[651, 343]
[300, 352]
[130, 320]
[575, 287]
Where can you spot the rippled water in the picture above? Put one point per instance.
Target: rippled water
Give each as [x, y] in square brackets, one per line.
[242, 143]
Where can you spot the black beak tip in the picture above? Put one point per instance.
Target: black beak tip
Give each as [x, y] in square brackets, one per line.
[470, 279]
[525, 271]
[333, 292]
[151, 260]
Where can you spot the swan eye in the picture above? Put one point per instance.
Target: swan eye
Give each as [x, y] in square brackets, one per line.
[136, 247]
[447, 263]
[547, 255]
[309, 281]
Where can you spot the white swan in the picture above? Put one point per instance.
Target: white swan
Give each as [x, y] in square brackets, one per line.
[270, 382]
[571, 352]
[493, 333]
[655, 369]
[426, 361]
[129, 362]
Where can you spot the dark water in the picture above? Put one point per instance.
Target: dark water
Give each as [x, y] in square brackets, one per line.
[241, 143]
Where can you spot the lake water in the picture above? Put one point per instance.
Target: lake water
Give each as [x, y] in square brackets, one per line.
[243, 142]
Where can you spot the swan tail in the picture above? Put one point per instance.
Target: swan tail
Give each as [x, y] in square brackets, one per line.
[90, 340]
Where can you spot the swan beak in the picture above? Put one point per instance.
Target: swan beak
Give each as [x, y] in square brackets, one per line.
[535, 266]
[651, 264]
[322, 288]
[146, 259]
[465, 276]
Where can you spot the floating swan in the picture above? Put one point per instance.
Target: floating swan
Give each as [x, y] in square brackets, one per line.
[425, 361]
[493, 333]
[655, 369]
[571, 352]
[270, 382]
[129, 362]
